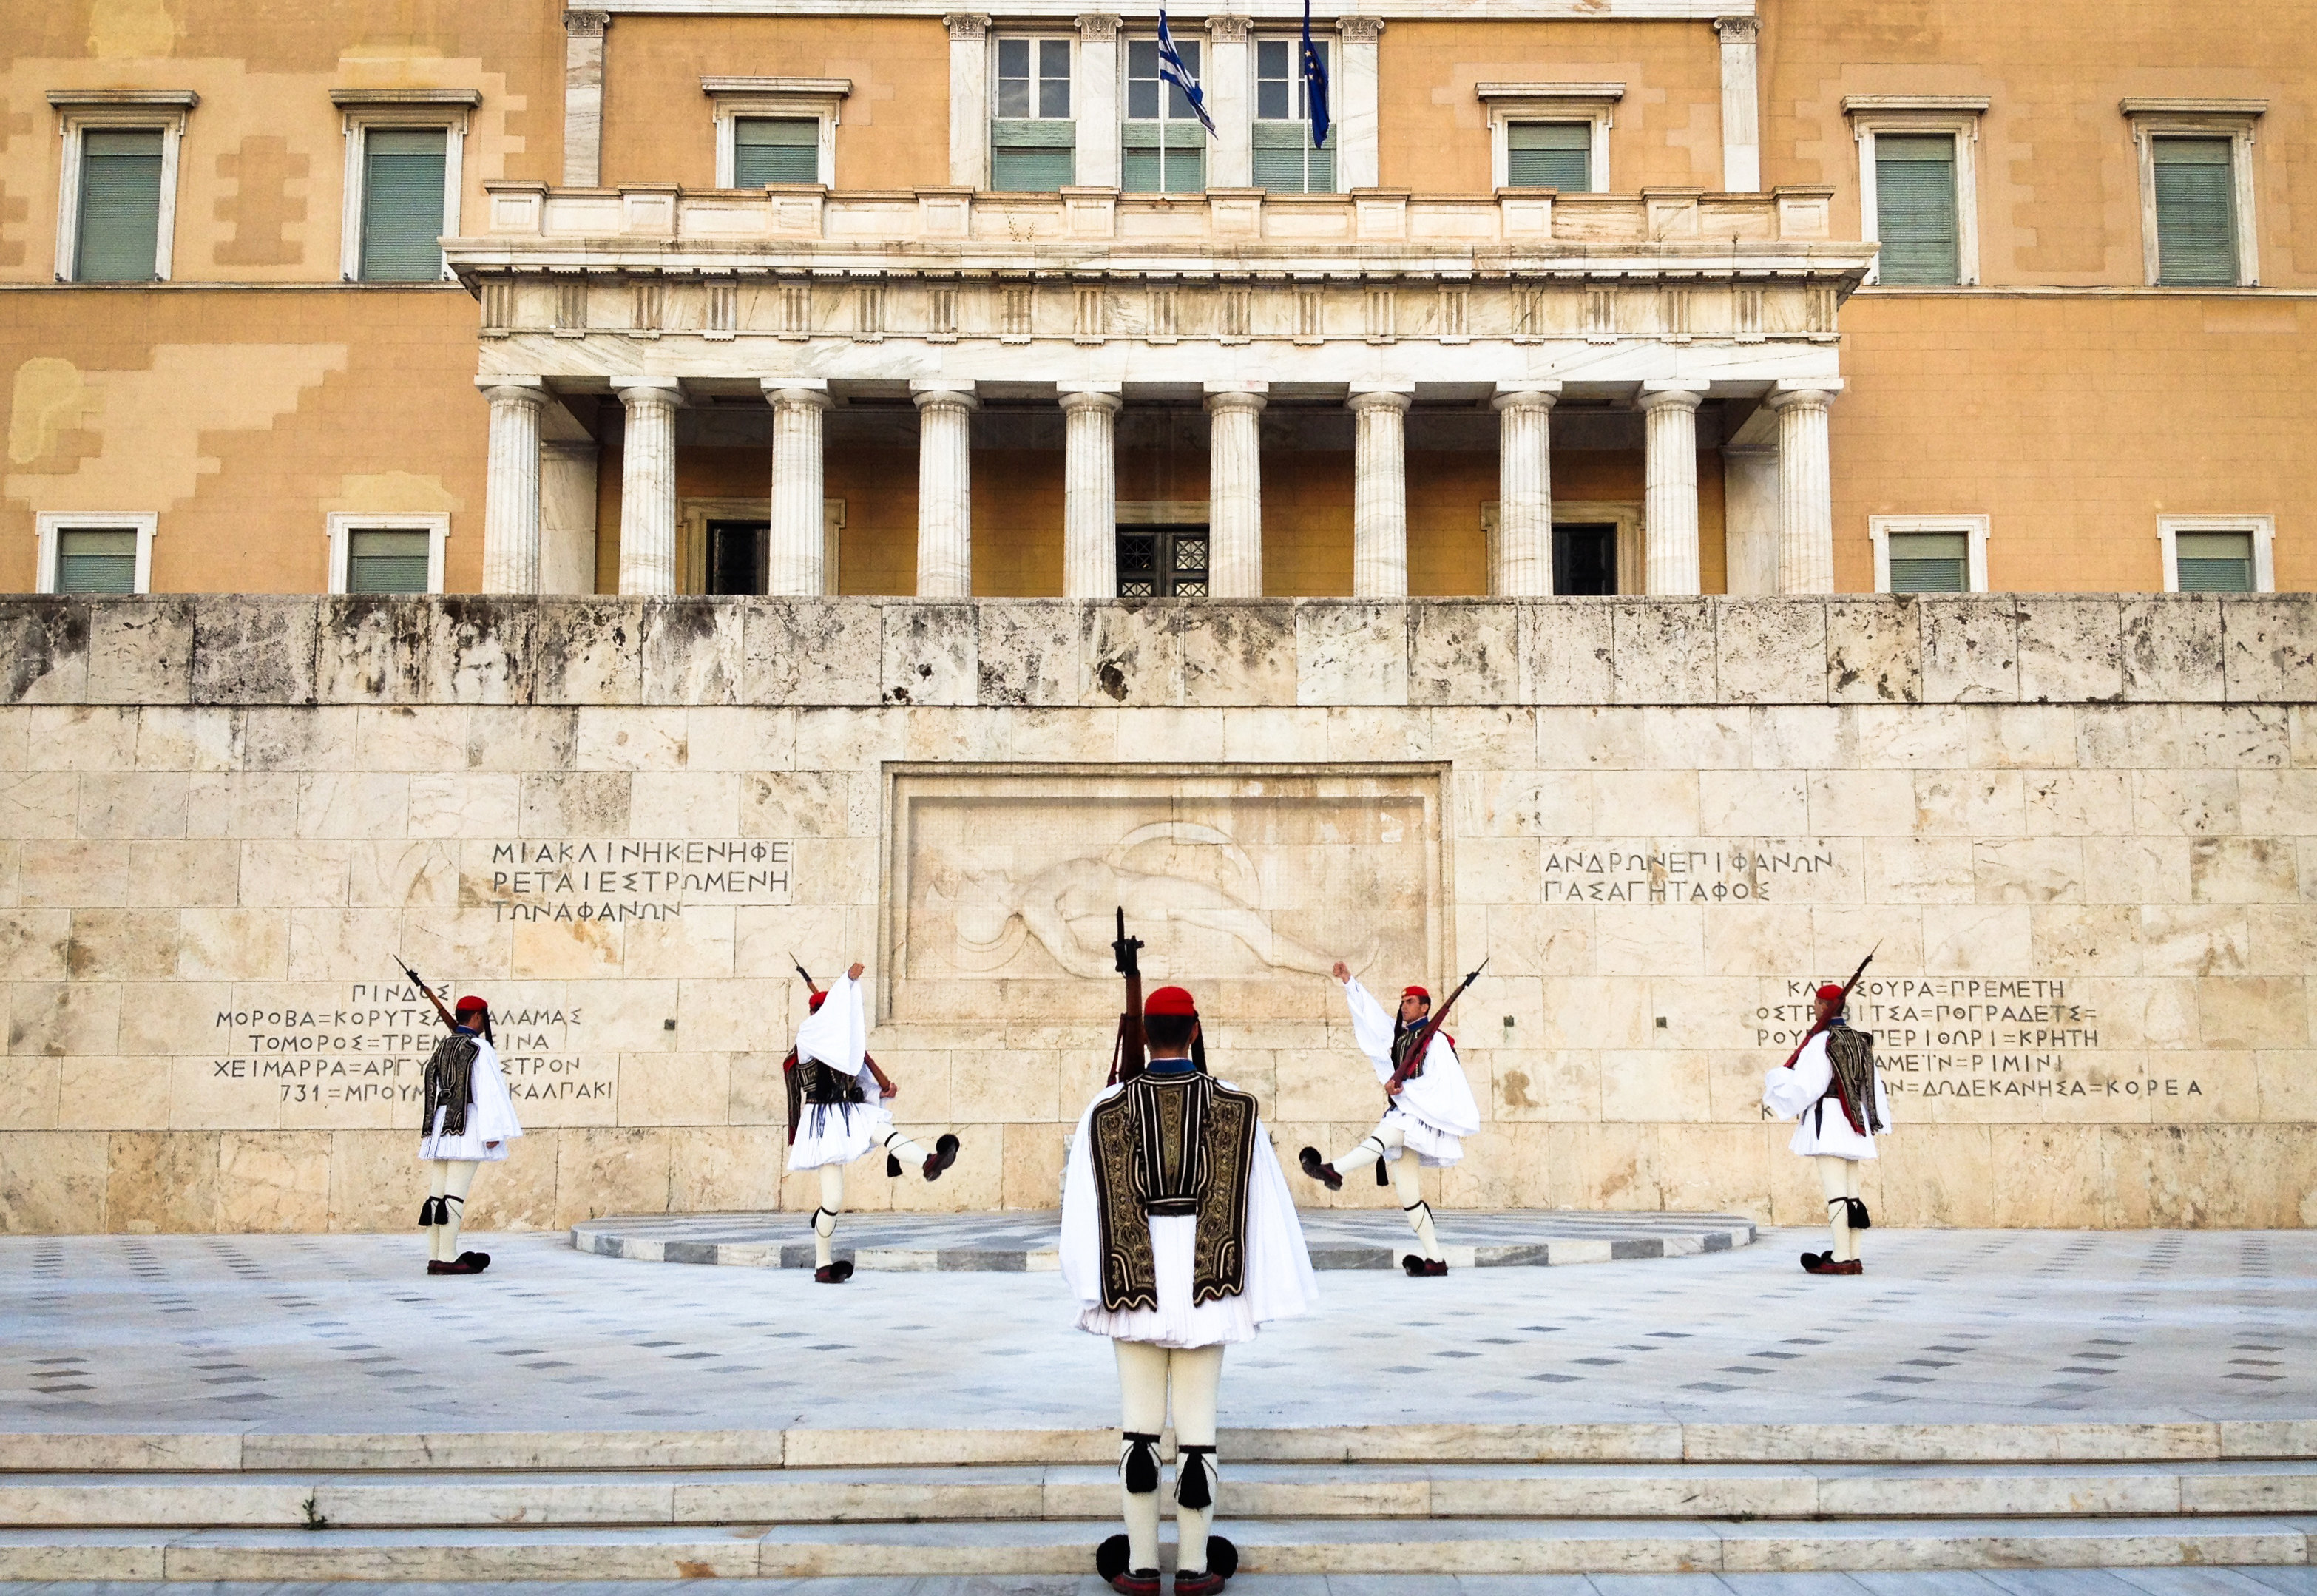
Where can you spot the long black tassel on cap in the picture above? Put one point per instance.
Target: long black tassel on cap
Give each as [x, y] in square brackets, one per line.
[1140, 1464]
[1194, 1477]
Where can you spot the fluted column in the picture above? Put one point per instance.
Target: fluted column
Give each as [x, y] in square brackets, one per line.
[511, 485]
[1524, 562]
[1380, 495]
[647, 487]
[794, 564]
[1235, 494]
[1090, 493]
[945, 489]
[1805, 491]
[1670, 508]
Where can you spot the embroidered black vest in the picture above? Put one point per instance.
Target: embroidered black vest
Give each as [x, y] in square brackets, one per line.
[1850, 1081]
[813, 1084]
[1172, 1145]
[449, 1084]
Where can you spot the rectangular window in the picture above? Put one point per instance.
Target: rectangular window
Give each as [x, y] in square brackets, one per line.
[775, 149]
[119, 206]
[389, 561]
[403, 204]
[1930, 562]
[1285, 161]
[2213, 562]
[1585, 558]
[1549, 155]
[1915, 209]
[1164, 148]
[96, 560]
[1032, 141]
[1162, 563]
[2195, 212]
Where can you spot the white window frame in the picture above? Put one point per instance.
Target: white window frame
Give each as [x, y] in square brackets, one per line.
[738, 99]
[2232, 119]
[1036, 37]
[364, 109]
[341, 524]
[1879, 528]
[161, 111]
[1509, 102]
[1338, 127]
[51, 523]
[2263, 529]
[1904, 114]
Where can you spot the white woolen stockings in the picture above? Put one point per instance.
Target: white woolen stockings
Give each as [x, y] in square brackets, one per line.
[912, 1156]
[454, 1178]
[1406, 1179]
[824, 1218]
[1145, 1373]
[1839, 1176]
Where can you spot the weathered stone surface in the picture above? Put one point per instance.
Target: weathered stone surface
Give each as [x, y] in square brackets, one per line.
[1238, 652]
[1663, 651]
[44, 650]
[366, 650]
[255, 651]
[694, 650]
[2071, 650]
[1129, 654]
[1566, 654]
[931, 654]
[1873, 651]
[1971, 650]
[2172, 649]
[587, 650]
[812, 650]
[141, 650]
[2271, 648]
[1351, 651]
[1770, 650]
[1028, 654]
[1464, 652]
[473, 650]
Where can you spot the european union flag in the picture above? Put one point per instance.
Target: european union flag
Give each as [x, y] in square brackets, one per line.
[1185, 81]
[1315, 83]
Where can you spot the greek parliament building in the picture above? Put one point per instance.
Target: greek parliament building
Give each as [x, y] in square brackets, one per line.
[1664, 495]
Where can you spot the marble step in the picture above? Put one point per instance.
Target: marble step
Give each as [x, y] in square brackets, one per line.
[240, 1450]
[445, 1499]
[1273, 1546]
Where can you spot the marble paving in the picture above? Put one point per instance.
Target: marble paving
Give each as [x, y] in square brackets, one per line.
[336, 1334]
[1017, 1242]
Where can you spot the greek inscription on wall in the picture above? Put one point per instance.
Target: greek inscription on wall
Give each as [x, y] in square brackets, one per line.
[1660, 873]
[621, 879]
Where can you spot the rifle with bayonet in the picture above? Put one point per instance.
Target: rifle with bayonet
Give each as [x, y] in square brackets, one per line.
[1130, 1052]
[1852, 1111]
[449, 1022]
[1412, 1065]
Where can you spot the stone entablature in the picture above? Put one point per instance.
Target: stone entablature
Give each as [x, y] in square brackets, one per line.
[1038, 653]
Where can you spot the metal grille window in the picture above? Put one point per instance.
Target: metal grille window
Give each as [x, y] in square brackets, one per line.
[96, 560]
[403, 208]
[1164, 148]
[2195, 212]
[1162, 563]
[1930, 562]
[1285, 161]
[2213, 561]
[1915, 208]
[775, 149]
[119, 206]
[1549, 155]
[389, 561]
[1585, 558]
[1032, 141]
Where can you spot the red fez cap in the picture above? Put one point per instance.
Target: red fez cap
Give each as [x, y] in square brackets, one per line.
[1169, 1000]
[1417, 992]
[470, 1005]
[818, 999]
[1830, 994]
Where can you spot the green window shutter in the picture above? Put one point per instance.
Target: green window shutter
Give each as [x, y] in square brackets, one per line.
[2213, 561]
[388, 561]
[1915, 208]
[1930, 562]
[96, 560]
[2196, 213]
[402, 204]
[1032, 157]
[1142, 160]
[1550, 155]
[119, 206]
[775, 149]
[1286, 164]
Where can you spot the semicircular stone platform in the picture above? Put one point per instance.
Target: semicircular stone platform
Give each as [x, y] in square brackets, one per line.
[1025, 1240]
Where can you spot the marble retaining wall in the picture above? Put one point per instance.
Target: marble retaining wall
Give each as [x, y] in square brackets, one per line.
[2083, 831]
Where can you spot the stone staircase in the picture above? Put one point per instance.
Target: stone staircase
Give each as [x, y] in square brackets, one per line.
[1471, 1498]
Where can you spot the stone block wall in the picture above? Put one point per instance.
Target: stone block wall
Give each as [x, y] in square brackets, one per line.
[2083, 832]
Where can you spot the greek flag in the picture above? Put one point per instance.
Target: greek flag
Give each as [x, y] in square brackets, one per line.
[1315, 83]
[1172, 70]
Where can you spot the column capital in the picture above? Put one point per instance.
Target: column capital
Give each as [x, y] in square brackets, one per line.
[513, 390]
[1672, 394]
[1227, 27]
[1360, 29]
[1820, 393]
[1738, 30]
[650, 390]
[1394, 400]
[1098, 25]
[1526, 395]
[1106, 398]
[936, 395]
[798, 398]
[1235, 400]
[966, 24]
[587, 24]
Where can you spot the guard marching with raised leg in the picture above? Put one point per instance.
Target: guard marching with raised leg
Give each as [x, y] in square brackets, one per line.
[1832, 1086]
[1430, 1113]
[837, 1111]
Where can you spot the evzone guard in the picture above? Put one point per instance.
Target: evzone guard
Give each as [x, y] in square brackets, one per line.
[833, 1116]
[1180, 1238]
[467, 1122]
[1430, 1109]
[1830, 1086]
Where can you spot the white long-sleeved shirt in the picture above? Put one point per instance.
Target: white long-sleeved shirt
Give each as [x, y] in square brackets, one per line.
[1440, 1097]
[1795, 1093]
[837, 1034]
[491, 1123]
